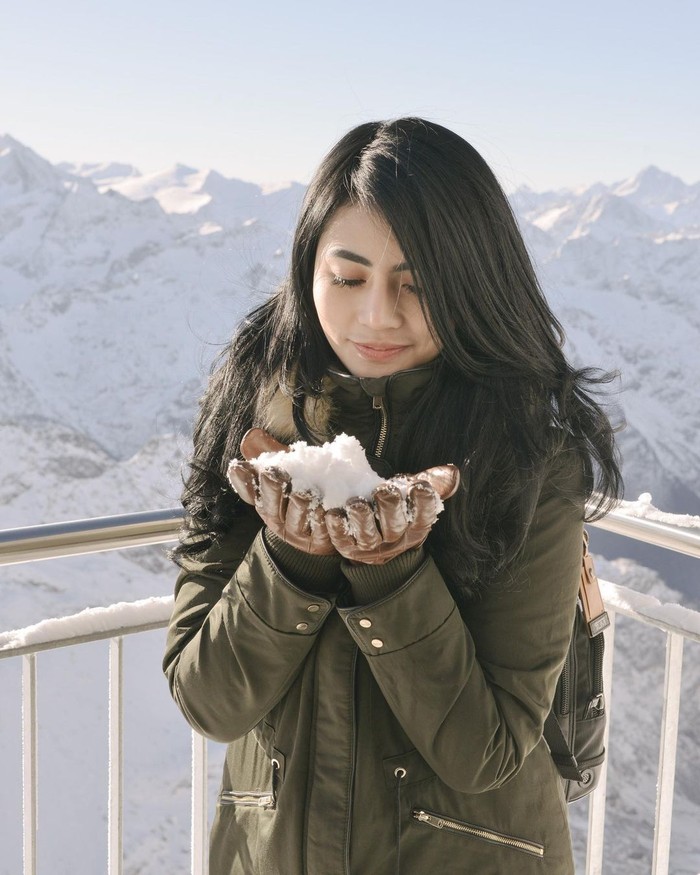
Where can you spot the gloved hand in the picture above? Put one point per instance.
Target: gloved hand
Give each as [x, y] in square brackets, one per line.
[295, 517]
[373, 532]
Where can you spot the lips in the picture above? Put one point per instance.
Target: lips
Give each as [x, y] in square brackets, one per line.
[378, 352]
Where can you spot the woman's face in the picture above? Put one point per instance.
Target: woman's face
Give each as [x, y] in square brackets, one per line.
[365, 297]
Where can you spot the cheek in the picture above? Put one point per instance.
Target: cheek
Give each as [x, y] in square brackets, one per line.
[329, 310]
[420, 326]
[320, 303]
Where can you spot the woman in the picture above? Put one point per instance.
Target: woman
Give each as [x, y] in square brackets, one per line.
[383, 693]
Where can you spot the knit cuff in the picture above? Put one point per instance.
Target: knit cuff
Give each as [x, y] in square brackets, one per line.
[313, 574]
[370, 583]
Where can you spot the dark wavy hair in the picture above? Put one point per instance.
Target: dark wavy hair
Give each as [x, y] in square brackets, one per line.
[503, 402]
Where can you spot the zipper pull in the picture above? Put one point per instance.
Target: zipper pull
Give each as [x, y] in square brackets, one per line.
[595, 706]
[275, 779]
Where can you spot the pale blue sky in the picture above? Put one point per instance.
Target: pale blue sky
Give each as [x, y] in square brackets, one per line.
[551, 93]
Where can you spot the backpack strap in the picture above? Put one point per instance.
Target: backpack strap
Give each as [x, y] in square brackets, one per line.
[562, 755]
[594, 612]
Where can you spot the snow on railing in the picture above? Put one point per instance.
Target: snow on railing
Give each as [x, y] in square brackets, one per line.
[92, 624]
[644, 522]
[115, 621]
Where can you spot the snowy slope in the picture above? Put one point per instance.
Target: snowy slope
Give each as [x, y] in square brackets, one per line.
[121, 298]
[621, 266]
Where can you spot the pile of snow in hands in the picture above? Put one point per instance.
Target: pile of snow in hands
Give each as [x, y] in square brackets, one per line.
[333, 473]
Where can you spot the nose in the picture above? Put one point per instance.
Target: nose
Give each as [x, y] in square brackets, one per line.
[379, 305]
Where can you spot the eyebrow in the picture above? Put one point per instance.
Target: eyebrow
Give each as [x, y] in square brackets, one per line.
[338, 252]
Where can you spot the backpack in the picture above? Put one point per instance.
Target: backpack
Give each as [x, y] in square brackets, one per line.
[575, 727]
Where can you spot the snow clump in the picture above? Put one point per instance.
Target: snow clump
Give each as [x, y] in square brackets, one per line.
[334, 472]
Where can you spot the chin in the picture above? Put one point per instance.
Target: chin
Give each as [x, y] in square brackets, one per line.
[369, 369]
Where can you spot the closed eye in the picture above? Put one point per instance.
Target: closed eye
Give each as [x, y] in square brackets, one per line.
[341, 281]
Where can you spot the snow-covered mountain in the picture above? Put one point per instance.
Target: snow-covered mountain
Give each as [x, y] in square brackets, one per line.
[117, 289]
[129, 284]
[123, 299]
[621, 265]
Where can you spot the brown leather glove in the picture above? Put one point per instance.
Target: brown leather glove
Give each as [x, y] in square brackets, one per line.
[373, 532]
[295, 517]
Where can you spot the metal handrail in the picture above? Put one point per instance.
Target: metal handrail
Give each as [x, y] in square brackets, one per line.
[99, 534]
[676, 538]
[94, 535]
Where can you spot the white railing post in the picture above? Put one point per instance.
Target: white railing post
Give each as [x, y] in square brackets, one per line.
[115, 806]
[199, 805]
[596, 804]
[29, 764]
[667, 754]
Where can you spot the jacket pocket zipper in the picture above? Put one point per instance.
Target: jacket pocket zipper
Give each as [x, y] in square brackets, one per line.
[437, 821]
[596, 705]
[251, 798]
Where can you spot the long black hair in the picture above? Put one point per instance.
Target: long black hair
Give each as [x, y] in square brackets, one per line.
[503, 401]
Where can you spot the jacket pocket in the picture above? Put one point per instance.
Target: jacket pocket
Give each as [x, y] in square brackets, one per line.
[439, 821]
[266, 799]
[247, 798]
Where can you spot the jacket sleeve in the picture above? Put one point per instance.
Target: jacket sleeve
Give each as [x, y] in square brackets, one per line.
[472, 690]
[238, 634]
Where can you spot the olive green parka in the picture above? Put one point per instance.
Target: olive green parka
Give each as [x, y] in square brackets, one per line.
[375, 727]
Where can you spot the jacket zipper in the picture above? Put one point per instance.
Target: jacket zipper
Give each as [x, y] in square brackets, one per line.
[378, 404]
[437, 821]
[252, 798]
[353, 756]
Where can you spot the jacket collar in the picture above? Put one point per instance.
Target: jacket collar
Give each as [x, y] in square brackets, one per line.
[351, 394]
[402, 386]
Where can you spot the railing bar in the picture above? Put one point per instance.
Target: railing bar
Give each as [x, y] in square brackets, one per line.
[676, 538]
[596, 804]
[102, 635]
[29, 765]
[641, 608]
[656, 622]
[199, 804]
[89, 535]
[159, 526]
[647, 609]
[667, 755]
[115, 820]
[67, 530]
[80, 546]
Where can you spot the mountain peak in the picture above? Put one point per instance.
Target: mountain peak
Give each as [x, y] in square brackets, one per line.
[23, 170]
[652, 185]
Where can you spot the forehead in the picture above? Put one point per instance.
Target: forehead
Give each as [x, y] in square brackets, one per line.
[363, 231]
